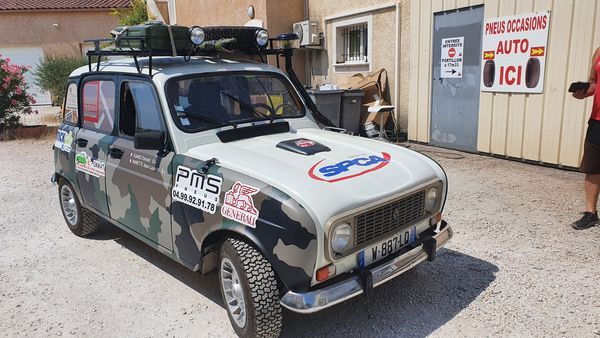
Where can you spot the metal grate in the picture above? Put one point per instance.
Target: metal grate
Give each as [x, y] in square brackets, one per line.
[355, 43]
[379, 222]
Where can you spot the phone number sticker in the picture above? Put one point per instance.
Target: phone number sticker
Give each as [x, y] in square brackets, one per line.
[197, 190]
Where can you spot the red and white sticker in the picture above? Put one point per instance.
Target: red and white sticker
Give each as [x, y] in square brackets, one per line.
[304, 143]
[239, 204]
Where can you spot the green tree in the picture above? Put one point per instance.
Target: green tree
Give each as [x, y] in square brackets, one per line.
[135, 15]
[53, 73]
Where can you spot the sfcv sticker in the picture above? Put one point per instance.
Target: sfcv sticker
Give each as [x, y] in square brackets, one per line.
[350, 168]
[239, 204]
[197, 190]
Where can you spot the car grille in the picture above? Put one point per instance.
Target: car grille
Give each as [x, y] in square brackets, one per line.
[388, 218]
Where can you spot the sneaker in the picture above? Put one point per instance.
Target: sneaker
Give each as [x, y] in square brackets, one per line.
[587, 221]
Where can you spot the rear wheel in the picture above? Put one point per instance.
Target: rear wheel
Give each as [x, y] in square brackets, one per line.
[249, 290]
[81, 221]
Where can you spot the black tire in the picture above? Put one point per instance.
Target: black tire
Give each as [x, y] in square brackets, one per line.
[532, 73]
[260, 291]
[489, 73]
[86, 222]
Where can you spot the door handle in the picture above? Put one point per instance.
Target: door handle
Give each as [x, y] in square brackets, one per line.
[115, 152]
[81, 142]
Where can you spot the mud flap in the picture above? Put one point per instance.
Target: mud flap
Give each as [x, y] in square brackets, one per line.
[430, 247]
[366, 279]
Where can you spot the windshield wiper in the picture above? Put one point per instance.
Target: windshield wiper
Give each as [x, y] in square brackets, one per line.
[248, 105]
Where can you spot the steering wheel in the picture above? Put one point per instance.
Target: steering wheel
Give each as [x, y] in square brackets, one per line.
[264, 106]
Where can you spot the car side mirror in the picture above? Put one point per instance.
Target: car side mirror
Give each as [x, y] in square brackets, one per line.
[149, 140]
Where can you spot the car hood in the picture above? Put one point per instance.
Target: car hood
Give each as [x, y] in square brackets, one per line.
[354, 172]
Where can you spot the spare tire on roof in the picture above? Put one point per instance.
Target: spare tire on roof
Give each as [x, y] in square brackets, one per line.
[489, 73]
[532, 73]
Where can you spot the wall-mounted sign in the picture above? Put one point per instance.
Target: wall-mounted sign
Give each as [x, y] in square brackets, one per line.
[514, 53]
[452, 57]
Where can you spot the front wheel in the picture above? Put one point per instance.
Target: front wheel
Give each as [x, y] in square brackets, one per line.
[249, 290]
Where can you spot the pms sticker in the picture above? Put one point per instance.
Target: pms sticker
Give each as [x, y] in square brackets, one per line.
[349, 168]
[197, 190]
[239, 205]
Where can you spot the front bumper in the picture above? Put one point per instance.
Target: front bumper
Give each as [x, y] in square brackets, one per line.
[364, 282]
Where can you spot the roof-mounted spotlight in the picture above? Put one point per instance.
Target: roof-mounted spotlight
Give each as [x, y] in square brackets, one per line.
[196, 35]
[262, 38]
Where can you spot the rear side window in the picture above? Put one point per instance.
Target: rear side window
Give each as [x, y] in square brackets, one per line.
[70, 105]
[98, 105]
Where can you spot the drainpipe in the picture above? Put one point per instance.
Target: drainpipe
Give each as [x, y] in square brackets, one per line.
[397, 66]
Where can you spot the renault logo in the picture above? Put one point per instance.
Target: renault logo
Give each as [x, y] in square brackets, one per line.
[396, 214]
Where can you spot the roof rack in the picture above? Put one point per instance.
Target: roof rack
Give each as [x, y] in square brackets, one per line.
[280, 46]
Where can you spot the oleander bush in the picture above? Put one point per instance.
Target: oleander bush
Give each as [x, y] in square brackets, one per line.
[14, 99]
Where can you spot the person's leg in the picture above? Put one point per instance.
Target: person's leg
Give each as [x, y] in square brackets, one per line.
[590, 216]
[592, 188]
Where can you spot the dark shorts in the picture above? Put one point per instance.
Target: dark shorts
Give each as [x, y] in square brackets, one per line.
[590, 163]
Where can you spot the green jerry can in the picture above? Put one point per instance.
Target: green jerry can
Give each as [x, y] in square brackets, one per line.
[152, 37]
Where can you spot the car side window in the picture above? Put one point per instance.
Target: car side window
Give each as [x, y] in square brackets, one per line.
[69, 112]
[98, 102]
[140, 109]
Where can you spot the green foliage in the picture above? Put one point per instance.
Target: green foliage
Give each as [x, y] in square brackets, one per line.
[14, 99]
[135, 15]
[53, 72]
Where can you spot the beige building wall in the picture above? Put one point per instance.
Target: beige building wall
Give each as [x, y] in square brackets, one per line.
[549, 127]
[390, 45]
[30, 28]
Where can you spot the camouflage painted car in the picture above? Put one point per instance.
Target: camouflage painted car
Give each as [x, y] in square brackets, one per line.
[221, 165]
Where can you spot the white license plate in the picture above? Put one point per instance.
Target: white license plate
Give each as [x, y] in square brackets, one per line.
[387, 247]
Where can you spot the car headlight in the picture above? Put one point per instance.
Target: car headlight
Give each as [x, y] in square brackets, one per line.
[197, 35]
[431, 199]
[340, 239]
[262, 38]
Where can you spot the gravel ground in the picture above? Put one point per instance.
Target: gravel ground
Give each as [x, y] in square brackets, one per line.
[514, 267]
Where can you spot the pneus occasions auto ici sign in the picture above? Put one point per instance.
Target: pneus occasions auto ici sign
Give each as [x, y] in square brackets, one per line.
[514, 53]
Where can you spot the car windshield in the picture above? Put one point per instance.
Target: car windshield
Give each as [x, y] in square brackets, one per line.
[211, 101]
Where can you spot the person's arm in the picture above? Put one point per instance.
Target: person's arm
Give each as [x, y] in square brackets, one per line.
[581, 94]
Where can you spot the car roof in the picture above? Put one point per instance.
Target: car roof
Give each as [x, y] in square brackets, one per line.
[166, 67]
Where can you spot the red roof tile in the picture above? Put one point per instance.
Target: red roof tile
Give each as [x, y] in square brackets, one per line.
[21, 5]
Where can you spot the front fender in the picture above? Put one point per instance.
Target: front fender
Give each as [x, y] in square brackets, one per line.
[283, 230]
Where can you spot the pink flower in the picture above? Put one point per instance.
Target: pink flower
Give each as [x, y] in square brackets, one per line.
[5, 86]
[14, 102]
[7, 60]
[19, 91]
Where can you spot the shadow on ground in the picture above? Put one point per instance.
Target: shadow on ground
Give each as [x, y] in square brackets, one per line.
[207, 286]
[412, 305]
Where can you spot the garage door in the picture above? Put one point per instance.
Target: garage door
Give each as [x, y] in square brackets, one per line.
[28, 56]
